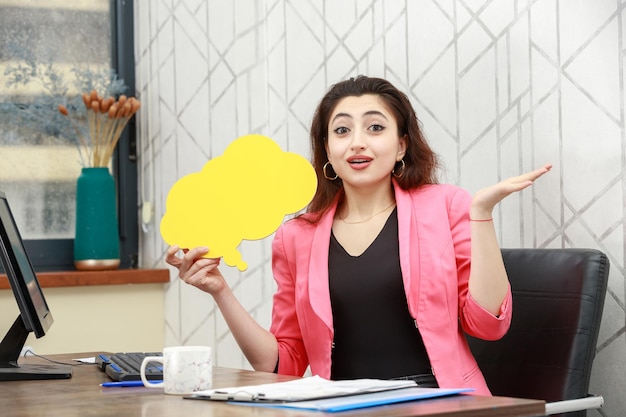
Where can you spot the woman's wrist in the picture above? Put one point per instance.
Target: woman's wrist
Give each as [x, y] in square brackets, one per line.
[222, 294]
[477, 215]
[481, 220]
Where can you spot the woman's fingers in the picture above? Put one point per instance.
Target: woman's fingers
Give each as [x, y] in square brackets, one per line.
[528, 178]
[199, 267]
[189, 258]
[486, 199]
[190, 262]
[170, 256]
[194, 269]
[525, 180]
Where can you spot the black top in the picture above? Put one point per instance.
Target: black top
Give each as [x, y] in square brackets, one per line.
[375, 336]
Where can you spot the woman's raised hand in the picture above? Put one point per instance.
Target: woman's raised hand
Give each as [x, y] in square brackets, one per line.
[195, 270]
[486, 199]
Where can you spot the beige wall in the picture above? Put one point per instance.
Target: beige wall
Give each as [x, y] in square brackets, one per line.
[114, 318]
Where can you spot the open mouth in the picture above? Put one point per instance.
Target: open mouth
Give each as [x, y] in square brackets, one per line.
[359, 160]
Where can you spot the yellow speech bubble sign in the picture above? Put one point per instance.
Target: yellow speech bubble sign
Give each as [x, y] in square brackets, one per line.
[243, 194]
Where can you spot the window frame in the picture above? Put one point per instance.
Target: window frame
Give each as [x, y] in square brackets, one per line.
[58, 254]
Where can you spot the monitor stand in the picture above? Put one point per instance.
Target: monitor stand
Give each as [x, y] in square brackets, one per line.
[10, 349]
[34, 371]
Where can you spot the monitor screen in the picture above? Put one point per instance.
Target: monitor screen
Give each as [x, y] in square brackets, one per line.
[34, 316]
[30, 299]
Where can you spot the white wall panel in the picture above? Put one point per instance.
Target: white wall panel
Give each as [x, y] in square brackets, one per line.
[500, 86]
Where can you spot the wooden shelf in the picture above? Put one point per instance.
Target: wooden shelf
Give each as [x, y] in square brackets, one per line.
[112, 277]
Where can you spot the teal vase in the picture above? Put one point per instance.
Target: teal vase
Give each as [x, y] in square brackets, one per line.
[97, 242]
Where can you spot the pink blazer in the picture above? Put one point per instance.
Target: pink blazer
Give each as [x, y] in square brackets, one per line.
[434, 241]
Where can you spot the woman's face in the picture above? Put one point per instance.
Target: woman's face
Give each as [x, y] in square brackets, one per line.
[363, 141]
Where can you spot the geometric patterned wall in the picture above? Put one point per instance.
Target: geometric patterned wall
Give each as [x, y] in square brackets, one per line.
[501, 87]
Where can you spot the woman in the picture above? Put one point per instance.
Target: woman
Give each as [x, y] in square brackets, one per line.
[375, 279]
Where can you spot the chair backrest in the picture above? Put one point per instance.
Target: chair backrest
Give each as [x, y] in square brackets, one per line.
[558, 299]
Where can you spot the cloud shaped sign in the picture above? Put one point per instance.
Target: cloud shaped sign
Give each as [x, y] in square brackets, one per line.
[243, 194]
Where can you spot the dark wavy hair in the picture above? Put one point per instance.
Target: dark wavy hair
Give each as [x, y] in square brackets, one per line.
[421, 162]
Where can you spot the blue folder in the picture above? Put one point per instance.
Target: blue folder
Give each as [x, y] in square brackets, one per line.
[352, 402]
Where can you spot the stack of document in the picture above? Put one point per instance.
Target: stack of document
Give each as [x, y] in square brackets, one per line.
[316, 393]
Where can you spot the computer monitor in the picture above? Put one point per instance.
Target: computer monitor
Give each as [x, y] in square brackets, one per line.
[34, 314]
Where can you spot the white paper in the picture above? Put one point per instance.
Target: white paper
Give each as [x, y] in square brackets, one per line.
[86, 360]
[302, 389]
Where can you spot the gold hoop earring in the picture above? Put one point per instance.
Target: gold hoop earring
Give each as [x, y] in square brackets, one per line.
[400, 172]
[326, 175]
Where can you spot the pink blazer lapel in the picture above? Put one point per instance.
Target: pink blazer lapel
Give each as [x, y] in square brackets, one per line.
[319, 293]
[408, 240]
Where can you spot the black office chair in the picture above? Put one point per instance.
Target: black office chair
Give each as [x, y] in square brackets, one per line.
[547, 354]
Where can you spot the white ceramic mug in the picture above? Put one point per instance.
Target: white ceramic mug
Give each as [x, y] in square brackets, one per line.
[186, 369]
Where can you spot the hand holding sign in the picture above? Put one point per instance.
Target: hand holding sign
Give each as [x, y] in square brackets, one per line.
[243, 194]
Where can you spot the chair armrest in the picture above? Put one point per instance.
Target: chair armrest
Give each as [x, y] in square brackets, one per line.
[566, 406]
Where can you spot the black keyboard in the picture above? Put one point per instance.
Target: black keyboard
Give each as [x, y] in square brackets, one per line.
[126, 366]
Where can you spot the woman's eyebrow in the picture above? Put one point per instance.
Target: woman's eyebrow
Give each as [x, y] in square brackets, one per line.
[375, 113]
[367, 113]
[340, 115]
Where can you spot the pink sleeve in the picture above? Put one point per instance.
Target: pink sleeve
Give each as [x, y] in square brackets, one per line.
[292, 357]
[480, 323]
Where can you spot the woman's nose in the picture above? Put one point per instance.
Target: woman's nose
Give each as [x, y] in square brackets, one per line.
[358, 140]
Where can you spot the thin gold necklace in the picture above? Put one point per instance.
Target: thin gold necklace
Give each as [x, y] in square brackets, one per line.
[370, 217]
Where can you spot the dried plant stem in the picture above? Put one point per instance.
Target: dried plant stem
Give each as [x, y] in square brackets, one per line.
[106, 120]
[92, 132]
[121, 124]
[84, 151]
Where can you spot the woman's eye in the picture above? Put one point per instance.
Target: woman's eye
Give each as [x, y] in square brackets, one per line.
[377, 128]
[341, 130]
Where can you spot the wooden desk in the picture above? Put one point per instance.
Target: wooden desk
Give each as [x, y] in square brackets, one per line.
[82, 396]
